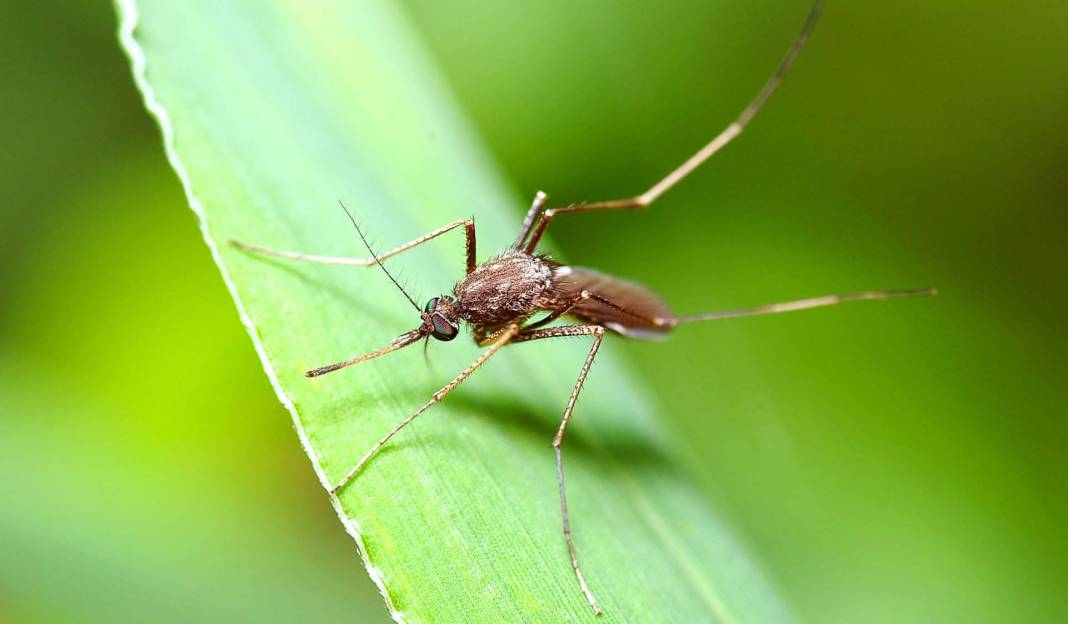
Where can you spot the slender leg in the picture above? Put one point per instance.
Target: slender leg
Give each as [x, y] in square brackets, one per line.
[772, 308]
[706, 152]
[501, 339]
[562, 310]
[553, 332]
[802, 304]
[399, 342]
[655, 321]
[535, 208]
[468, 224]
[483, 338]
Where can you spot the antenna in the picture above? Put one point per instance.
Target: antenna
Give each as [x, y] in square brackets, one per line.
[375, 257]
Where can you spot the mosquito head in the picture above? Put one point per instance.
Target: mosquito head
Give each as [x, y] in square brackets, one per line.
[441, 318]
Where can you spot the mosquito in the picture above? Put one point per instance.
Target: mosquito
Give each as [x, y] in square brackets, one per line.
[500, 298]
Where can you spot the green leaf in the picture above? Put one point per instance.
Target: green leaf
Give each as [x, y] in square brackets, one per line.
[270, 114]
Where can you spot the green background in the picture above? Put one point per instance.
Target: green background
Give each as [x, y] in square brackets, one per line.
[887, 462]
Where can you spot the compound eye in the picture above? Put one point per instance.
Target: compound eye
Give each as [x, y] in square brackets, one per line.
[430, 305]
[443, 329]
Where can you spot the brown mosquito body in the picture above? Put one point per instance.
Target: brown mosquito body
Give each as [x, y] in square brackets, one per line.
[516, 296]
[515, 286]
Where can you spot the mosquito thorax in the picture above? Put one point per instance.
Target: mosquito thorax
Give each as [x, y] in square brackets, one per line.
[439, 318]
[509, 287]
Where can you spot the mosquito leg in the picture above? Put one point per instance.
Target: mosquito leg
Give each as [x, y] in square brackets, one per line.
[562, 310]
[655, 321]
[535, 209]
[554, 332]
[469, 245]
[398, 343]
[548, 215]
[501, 339]
[652, 321]
[484, 337]
[695, 161]
[802, 304]
[468, 224]
[772, 308]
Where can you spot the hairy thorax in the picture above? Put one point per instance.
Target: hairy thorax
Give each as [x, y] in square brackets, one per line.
[506, 289]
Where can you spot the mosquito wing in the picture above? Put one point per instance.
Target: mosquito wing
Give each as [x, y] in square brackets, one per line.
[636, 299]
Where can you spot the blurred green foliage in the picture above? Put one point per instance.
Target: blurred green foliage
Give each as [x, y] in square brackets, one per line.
[894, 462]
